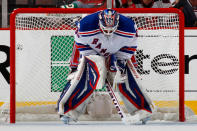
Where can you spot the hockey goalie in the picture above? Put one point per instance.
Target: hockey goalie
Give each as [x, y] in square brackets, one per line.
[106, 41]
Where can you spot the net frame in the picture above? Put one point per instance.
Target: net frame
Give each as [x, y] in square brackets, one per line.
[128, 10]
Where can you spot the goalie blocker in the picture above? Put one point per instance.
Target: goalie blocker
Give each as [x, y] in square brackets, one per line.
[91, 75]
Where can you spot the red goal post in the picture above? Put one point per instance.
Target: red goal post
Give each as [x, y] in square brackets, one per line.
[13, 41]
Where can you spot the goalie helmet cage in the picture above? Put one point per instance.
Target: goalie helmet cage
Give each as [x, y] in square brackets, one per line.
[16, 45]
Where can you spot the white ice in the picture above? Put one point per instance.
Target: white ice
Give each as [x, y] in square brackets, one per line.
[99, 126]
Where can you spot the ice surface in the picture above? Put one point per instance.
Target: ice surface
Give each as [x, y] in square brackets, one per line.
[99, 126]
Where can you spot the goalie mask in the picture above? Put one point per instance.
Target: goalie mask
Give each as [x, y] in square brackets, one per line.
[108, 21]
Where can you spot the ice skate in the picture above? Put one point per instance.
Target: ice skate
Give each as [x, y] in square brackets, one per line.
[140, 117]
[65, 119]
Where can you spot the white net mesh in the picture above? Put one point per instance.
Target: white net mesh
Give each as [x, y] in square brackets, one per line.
[44, 45]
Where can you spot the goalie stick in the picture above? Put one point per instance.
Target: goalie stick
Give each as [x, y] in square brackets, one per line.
[125, 119]
[114, 99]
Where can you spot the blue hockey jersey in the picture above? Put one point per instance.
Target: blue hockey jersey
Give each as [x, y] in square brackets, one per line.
[90, 40]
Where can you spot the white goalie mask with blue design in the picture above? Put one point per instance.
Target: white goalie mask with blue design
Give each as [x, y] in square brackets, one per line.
[108, 21]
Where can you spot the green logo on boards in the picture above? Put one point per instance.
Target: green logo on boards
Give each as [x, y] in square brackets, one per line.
[61, 50]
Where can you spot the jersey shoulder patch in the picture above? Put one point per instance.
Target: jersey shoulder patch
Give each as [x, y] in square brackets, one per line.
[89, 25]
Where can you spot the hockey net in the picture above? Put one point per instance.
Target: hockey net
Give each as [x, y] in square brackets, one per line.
[41, 46]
